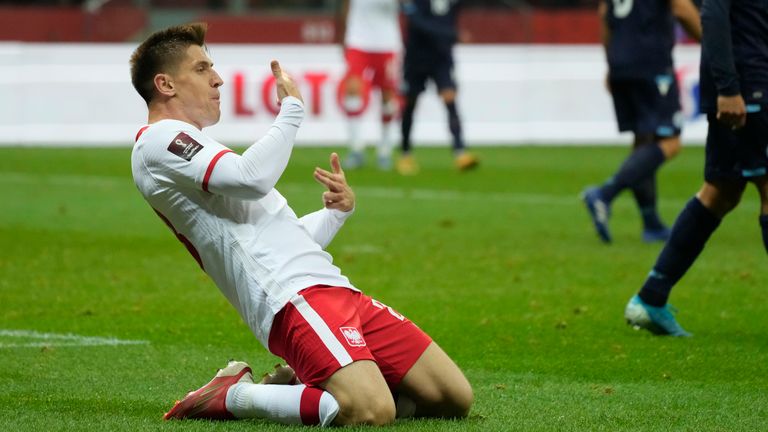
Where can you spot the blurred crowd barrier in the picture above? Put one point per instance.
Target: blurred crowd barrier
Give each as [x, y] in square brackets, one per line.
[266, 21]
[80, 94]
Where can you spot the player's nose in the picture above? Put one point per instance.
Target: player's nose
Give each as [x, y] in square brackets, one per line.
[217, 81]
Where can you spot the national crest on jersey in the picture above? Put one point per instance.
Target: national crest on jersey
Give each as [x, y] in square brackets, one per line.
[353, 336]
[184, 146]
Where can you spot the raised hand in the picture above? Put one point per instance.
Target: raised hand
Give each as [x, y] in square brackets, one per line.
[284, 83]
[339, 195]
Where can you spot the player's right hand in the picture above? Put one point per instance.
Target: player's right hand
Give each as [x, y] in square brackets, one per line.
[731, 111]
[284, 83]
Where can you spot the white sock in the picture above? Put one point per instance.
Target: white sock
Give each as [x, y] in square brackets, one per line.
[385, 145]
[287, 404]
[353, 104]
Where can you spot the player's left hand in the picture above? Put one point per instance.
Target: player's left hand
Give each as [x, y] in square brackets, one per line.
[339, 195]
[732, 111]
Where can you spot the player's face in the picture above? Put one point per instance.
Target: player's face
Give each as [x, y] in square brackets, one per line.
[197, 87]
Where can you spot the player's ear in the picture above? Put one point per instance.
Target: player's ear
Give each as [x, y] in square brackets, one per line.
[164, 84]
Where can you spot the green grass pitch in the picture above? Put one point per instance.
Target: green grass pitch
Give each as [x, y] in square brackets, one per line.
[501, 266]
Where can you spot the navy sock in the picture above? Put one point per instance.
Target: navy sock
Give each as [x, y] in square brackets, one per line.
[642, 163]
[764, 228]
[406, 123]
[692, 229]
[645, 197]
[454, 124]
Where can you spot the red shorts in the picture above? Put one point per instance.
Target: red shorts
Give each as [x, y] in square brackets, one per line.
[380, 68]
[323, 329]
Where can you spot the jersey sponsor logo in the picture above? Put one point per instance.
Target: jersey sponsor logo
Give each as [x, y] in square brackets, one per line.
[353, 336]
[184, 146]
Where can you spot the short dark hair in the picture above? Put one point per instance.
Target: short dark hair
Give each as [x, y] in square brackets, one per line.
[163, 51]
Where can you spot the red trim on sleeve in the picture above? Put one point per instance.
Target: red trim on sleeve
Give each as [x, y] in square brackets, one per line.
[141, 131]
[209, 171]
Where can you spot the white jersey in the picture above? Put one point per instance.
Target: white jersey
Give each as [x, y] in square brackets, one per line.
[225, 210]
[373, 26]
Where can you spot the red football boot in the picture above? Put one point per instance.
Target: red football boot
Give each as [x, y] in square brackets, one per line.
[208, 402]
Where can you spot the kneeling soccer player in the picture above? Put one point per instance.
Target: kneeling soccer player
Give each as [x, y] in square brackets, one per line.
[357, 360]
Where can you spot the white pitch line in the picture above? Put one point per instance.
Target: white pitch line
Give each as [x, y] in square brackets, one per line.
[60, 340]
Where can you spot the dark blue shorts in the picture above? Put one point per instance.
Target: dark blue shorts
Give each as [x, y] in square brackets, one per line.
[417, 71]
[737, 154]
[648, 105]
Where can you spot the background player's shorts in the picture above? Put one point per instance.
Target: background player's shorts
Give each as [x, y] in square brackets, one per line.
[379, 68]
[647, 105]
[323, 329]
[416, 72]
[740, 153]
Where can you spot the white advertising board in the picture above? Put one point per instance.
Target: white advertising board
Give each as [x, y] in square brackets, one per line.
[80, 94]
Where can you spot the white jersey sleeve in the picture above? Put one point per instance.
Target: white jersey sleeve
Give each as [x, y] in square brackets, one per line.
[324, 224]
[193, 160]
[255, 173]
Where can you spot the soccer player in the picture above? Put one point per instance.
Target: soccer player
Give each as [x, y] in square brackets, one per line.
[638, 38]
[370, 32]
[430, 36]
[358, 360]
[734, 79]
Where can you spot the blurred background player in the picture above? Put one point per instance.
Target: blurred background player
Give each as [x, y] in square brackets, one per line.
[734, 79]
[431, 34]
[370, 33]
[638, 38]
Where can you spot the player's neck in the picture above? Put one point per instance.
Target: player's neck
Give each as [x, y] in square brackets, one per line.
[165, 111]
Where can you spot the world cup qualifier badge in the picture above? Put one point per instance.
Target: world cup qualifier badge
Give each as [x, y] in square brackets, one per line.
[353, 336]
[184, 146]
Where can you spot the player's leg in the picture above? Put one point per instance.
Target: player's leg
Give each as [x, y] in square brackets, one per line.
[701, 216]
[645, 190]
[426, 382]
[354, 104]
[386, 78]
[646, 107]
[436, 386]
[362, 394]
[321, 335]
[443, 76]
[232, 394]
[414, 81]
[762, 188]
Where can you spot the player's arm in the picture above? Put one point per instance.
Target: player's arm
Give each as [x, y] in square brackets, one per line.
[255, 173]
[717, 43]
[338, 204]
[688, 16]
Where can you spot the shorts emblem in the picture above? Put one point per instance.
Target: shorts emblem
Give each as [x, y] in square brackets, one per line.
[353, 336]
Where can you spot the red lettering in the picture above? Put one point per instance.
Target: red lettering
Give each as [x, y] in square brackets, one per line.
[315, 81]
[239, 90]
[268, 95]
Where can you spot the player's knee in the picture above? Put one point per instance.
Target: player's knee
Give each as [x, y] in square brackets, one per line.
[375, 411]
[671, 147]
[458, 400]
[450, 400]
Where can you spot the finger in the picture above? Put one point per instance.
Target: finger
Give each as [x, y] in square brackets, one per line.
[336, 178]
[336, 164]
[328, 181]
[277, 71]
